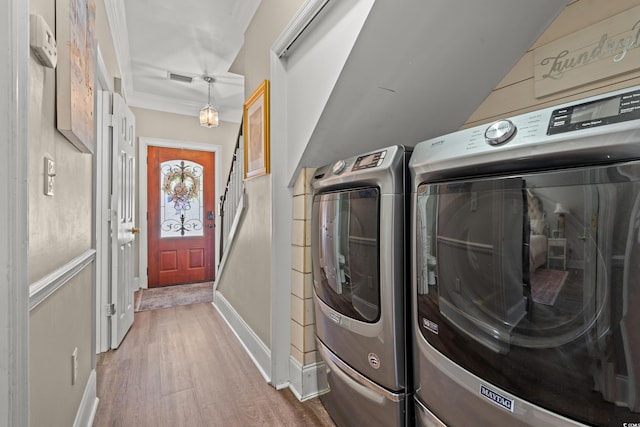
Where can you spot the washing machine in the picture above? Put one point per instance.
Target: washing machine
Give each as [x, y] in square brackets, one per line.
[358, 244]
[526, 269]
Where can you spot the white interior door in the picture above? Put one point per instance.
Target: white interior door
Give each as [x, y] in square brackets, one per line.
[123, 230]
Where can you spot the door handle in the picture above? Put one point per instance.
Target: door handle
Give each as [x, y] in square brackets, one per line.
[135, 230]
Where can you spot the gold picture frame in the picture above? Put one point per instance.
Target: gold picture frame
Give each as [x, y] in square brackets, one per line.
[256, 132]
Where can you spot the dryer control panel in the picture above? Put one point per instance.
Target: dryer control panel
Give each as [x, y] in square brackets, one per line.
[369, 161]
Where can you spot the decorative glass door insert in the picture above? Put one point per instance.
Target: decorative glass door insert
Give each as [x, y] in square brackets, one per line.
[181, 208]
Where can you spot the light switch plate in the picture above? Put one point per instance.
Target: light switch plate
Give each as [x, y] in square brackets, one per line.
[42, 41]
[49, 174]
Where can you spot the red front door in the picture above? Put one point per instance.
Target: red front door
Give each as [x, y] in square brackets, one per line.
[181, 203]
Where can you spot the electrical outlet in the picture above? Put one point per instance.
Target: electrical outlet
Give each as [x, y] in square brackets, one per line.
[74, 366]
[49, 174]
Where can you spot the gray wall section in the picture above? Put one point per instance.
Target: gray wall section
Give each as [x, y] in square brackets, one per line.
[60, 229]
[57, 326]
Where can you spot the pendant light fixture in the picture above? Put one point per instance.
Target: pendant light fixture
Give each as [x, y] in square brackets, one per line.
[209, 115]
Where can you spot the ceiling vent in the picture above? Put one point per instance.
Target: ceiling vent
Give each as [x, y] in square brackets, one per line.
[180, 78]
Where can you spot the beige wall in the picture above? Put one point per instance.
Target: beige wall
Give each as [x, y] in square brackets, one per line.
[178, 127]
[59, 225]
[246, 281]
[267, 24]
[105, 41]
[60, 229]
[515, 95]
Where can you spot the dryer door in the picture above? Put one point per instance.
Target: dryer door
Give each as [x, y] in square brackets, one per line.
[345, 247]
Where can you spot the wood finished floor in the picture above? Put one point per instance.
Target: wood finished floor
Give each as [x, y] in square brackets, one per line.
[183, 366]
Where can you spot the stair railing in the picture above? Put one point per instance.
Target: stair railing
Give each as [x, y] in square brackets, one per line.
[232, 201]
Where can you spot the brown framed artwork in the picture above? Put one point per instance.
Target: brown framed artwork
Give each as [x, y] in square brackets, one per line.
[75, 24]
[256, 132]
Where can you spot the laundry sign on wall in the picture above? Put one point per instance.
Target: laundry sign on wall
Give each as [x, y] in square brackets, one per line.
[605, 49]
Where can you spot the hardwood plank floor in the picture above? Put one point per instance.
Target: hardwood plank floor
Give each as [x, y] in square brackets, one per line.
[183, 366]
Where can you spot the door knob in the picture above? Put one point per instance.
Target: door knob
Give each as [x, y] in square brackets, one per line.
[135, 230]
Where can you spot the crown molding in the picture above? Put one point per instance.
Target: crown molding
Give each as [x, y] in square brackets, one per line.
[179, 106]
[116, 16]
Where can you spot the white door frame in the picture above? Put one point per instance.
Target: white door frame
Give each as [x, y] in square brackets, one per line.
[104, 88]
[143, 143]
[14, 169]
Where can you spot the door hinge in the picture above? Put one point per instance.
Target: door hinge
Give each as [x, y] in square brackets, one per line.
[110, 310]
[109, 118]
[107, 215]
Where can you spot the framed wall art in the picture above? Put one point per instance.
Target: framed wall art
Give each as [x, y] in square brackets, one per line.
[75, 24]
[256, 132]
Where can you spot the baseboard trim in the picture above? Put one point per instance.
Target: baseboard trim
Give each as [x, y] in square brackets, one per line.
[259, 353]
[303, 380]
[89, 404]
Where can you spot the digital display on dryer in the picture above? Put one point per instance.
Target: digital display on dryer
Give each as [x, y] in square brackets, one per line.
[614, 109]
[369, 160]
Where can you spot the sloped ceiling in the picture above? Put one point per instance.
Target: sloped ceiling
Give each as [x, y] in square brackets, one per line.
[419, 69]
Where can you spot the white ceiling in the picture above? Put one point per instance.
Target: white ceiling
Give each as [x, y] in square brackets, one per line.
[418, 69]
[192, 38]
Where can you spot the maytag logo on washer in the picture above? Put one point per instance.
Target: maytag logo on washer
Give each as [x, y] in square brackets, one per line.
[429, 325]
[374, 360]
[497, 398]
[334, 317]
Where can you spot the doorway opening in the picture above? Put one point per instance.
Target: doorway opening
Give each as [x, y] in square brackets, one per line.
[180, 216]
[182, 182]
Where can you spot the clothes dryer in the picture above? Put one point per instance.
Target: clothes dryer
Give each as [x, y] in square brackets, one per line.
[358, 258]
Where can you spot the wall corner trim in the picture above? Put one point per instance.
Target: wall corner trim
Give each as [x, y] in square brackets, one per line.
[43, 288]
[259, 353]
[89, 404]
[304, 379]
[298, 24]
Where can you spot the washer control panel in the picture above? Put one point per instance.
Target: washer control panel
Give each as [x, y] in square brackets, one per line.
[605, 111]
[338, 167]
[610, 120]
[500, 132]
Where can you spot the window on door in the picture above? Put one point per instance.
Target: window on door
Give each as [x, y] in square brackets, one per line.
[181, 207]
